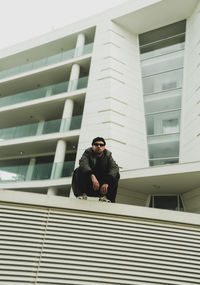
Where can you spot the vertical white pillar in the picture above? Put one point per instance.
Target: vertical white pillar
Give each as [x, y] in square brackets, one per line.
[58, 164]
[49, 91]
[30, 170]
[67, 115]
[59, 159]
[79, 45]
[74, 76]
[40, 127]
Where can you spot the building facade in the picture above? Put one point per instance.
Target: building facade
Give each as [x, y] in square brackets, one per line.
[132, 76]
[124, 75]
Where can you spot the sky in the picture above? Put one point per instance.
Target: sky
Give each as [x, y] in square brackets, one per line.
[25, 19]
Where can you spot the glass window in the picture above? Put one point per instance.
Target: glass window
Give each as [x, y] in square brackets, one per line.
[163, 37]
[162, 58]
[159, 123]
[168, 202]
[170, 126]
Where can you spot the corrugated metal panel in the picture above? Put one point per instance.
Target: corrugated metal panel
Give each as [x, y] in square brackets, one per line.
[48, 246]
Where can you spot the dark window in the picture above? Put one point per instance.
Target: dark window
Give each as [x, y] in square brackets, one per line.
[168, 202]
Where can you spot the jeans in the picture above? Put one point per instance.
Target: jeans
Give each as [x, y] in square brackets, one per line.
[82, 183]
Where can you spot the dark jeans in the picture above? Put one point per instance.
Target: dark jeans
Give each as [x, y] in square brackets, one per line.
[82, 183]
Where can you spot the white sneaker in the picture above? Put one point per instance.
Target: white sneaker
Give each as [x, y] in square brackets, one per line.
[104, 199]
[82, 197]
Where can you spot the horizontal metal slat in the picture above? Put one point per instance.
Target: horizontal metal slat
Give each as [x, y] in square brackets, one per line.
[82, 251]
[165, 245]
[147, 260]
[113, 279]
[121, 238]
[19, 252]
[119, 269]
[123, 221]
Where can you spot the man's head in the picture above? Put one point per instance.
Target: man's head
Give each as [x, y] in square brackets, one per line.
[98, 145]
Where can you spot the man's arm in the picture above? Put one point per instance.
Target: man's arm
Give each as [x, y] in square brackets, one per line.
[113, 167]
[113, 171]
[84, 162]
[86, 168]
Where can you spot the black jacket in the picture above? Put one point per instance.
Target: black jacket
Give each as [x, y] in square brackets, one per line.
[109, 167]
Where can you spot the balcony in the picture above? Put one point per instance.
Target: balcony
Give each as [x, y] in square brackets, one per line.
[163, 101]
[163, 149]
[41, 171]
[44, 92]
[57, 58]
[36, 129]
[167, 122]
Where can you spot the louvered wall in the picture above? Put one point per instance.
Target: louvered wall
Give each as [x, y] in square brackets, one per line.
[48, 246]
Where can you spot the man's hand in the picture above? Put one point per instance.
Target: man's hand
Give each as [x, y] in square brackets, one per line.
[95, 182]
[104, 189]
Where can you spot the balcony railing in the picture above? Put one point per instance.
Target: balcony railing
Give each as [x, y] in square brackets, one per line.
[44, 92]
[162, 161]
[60, 57]
[40, 171]
[36, 129]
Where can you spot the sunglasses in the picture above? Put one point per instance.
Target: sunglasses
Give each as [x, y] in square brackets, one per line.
[99, 144]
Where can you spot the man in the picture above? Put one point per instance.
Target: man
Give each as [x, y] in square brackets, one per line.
[97, 174]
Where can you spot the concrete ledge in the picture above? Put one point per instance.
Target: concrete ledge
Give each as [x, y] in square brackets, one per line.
[10, 196]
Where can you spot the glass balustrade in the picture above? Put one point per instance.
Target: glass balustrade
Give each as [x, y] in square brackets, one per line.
[63, 56]
[43, 92]
[163, 101]
[167, 160]
[162, 63]
[162, 82]
[162, 150]
[40, 171]
[48, 127]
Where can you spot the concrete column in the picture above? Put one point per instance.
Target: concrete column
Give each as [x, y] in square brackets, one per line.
[30, 170]
[49, 91]
[79, 45]
[67, 115]
[74, 76]
[59, 159]
[40, 127]
[65, 124]
[58, 164]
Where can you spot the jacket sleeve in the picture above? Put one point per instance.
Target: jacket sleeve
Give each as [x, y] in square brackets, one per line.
[113, 173]
[84, 163]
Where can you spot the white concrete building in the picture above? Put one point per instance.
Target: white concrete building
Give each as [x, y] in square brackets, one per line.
[132, 76]
[109, 75]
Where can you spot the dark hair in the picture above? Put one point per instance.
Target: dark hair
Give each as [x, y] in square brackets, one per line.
[98, 139]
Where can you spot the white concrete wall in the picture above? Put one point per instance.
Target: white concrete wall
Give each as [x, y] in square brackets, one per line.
[190, 126]
[114, 102]
[130, 197]
[191, 201]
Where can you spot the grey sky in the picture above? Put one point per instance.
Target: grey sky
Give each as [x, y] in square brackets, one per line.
[25, 19]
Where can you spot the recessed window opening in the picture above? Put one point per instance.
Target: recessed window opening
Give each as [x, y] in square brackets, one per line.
[167, 202]
[162, 58]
